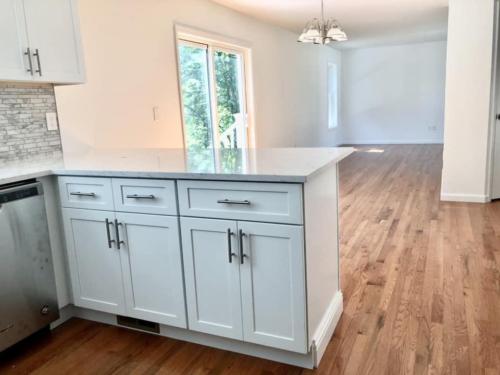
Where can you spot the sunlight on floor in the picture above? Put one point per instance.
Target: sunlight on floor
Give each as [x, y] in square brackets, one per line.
[371, 150]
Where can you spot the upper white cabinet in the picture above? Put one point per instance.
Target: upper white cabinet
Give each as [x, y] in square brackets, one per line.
[40, 41]
[13, 42]
[54, 37]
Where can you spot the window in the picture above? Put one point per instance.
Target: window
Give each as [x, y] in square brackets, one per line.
[333, 96]
[213, 94]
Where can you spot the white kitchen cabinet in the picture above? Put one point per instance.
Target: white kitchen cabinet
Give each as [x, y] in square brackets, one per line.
[250, 267]
[93, 193]
[145, 196]
[54, 37]
[128, 264]
[40, 41]
[94, 261]
[260, 299]
[13, 42]
[273, 294]
[234, 200]
[212, 276]
[152, 268]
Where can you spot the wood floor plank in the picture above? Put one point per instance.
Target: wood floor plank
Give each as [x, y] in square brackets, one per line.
[420, 277]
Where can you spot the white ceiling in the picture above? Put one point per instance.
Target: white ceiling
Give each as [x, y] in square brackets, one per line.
[367, 22]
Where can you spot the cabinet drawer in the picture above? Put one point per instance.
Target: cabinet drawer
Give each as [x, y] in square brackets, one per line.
[267, 202]
[145, 196]
[86, 192]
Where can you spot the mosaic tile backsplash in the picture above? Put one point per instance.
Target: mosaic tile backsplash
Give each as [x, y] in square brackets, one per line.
[23, 127]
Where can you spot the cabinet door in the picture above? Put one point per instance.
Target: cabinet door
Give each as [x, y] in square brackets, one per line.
[273, 285]
[152, 268]
[212, 276]
[13, 42]
[95, 265]
[53, 30]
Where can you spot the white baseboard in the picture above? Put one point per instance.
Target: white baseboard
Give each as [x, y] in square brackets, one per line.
[324, 332]
[394, 142]
[469, 198]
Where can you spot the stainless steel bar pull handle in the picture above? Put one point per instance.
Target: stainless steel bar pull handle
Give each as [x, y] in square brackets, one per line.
[108, 232]
[230, 253]
[80, 194]
[138, 196]
[37, 55]
[242, 251]
[117, 231]
[28, 53]
[230, 201]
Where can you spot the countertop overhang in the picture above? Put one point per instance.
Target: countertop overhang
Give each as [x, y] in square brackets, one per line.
[293, 165]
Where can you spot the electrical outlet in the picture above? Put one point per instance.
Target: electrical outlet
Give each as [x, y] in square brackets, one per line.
[51, 118]
[156, 113]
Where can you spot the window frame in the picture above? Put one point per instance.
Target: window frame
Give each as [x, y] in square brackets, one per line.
[214, 42]
[332, 125]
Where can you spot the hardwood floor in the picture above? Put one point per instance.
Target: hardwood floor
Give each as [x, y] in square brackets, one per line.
[421, 283]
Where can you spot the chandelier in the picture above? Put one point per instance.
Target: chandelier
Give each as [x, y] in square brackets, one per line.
[322, 31]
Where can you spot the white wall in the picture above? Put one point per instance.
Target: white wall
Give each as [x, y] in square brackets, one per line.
[467, 114]
[393, 94]
[131, 67]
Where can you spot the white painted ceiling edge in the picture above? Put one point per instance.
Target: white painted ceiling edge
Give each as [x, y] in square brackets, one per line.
[367, 22]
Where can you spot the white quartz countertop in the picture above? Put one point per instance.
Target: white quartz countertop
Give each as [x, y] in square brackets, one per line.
[266, 165]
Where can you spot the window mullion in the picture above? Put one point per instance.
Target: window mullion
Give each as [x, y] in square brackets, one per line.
[213, 97]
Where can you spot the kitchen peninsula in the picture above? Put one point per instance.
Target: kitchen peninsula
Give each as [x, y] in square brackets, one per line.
[235, 249]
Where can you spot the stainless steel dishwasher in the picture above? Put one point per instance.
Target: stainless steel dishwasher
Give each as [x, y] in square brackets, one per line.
[28, 298]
